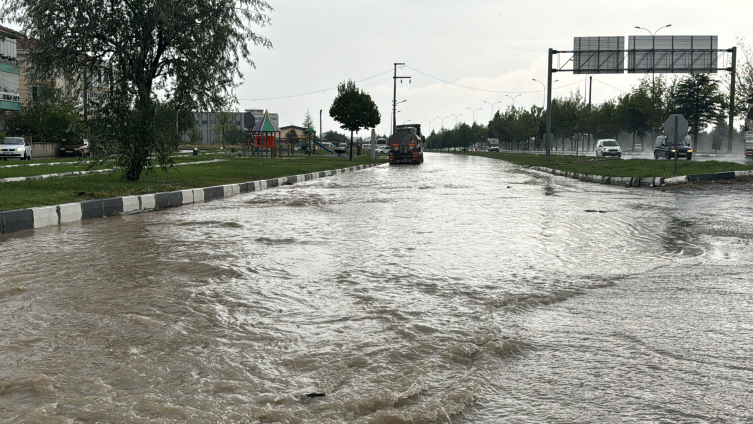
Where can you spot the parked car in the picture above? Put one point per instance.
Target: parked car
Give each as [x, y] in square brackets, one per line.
[664, 148]
[15, 147]
[608, 147]
[343, 145]
[382, 148]
[494, 148]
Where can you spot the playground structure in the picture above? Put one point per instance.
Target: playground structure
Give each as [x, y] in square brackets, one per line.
[265, 140]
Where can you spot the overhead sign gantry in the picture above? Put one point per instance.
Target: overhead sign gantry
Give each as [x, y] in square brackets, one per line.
[645, 54]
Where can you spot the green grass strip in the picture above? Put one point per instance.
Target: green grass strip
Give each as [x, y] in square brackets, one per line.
[54, 191]
[614, 167]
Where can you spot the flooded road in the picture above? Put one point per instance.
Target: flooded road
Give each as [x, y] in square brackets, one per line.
[464, 290]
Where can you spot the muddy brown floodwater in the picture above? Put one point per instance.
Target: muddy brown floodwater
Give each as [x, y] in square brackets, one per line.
[464, 290]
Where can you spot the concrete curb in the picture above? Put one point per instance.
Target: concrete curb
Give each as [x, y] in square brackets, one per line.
[46, 216]
[644, 181]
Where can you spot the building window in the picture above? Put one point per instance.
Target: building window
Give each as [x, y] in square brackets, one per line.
[204, 122]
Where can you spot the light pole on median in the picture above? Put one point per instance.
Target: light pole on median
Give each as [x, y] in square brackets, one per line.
[543, 105]
[474, 113]
[442, 119]
[653, 64]
[513, 99]
[492, 105]
[456, 117]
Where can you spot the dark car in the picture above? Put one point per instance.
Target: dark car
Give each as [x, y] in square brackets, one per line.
[664, 148]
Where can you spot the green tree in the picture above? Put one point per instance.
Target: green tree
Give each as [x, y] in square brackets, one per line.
[191, 50]
[49, 115]
[699, 100]
[744, 80]
[334, 137]
[172, 125]
[354, 110]
[307, 121]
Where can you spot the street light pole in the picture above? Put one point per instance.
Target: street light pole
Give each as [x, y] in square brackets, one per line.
[456, 117]
[653, 68]
[513, 99]
[543, 105]
[474, 113]
[426, 120]
[442, 119]
[492, 105]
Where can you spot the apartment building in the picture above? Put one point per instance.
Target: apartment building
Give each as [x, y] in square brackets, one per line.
[10, 100]
[206, 122]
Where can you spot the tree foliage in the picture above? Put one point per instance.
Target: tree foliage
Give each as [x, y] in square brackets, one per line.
[132, 49]
[699, 100]
[335, 137]
[354, 110]
[48, 116]
[308, 122]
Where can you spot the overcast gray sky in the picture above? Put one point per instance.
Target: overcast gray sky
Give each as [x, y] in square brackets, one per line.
[494, 45]
[484, 44]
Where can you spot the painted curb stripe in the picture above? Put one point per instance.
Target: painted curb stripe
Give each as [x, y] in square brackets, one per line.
[45, 216]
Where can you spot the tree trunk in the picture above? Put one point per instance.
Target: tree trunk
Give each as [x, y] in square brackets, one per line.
[351, 145]
[137, 148]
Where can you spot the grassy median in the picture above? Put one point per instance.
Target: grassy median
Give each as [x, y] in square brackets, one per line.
[53, 191]
[614, 167]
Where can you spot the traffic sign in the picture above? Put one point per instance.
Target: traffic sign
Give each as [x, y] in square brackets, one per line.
[676, 128]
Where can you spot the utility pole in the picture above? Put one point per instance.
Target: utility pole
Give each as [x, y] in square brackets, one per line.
[394, 96]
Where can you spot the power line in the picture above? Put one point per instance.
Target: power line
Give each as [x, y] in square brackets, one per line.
[315, 92]
[472, 88]
[610, 86]
[489, 91]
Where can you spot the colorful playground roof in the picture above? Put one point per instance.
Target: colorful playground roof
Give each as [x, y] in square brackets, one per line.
[265, 124]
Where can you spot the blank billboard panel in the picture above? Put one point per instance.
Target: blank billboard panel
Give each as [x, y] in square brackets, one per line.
[599, 55]
[672, 54]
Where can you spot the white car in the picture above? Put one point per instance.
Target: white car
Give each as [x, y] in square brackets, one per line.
[382, 148]
[608, 147]
[15, 147]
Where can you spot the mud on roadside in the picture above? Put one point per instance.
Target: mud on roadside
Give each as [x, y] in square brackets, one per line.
[737, 185]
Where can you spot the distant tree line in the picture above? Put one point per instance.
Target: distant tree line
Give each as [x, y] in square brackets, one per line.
[702, 98]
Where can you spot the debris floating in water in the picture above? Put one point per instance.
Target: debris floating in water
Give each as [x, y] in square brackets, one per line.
[313, 395]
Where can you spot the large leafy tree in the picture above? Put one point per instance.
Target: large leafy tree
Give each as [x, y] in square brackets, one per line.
[699, 100]
[133, 49]
[744, 81]
[354, 110]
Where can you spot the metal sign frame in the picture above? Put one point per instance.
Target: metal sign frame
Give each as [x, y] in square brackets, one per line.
[599, 55]
[672, 54]
[551, 69]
